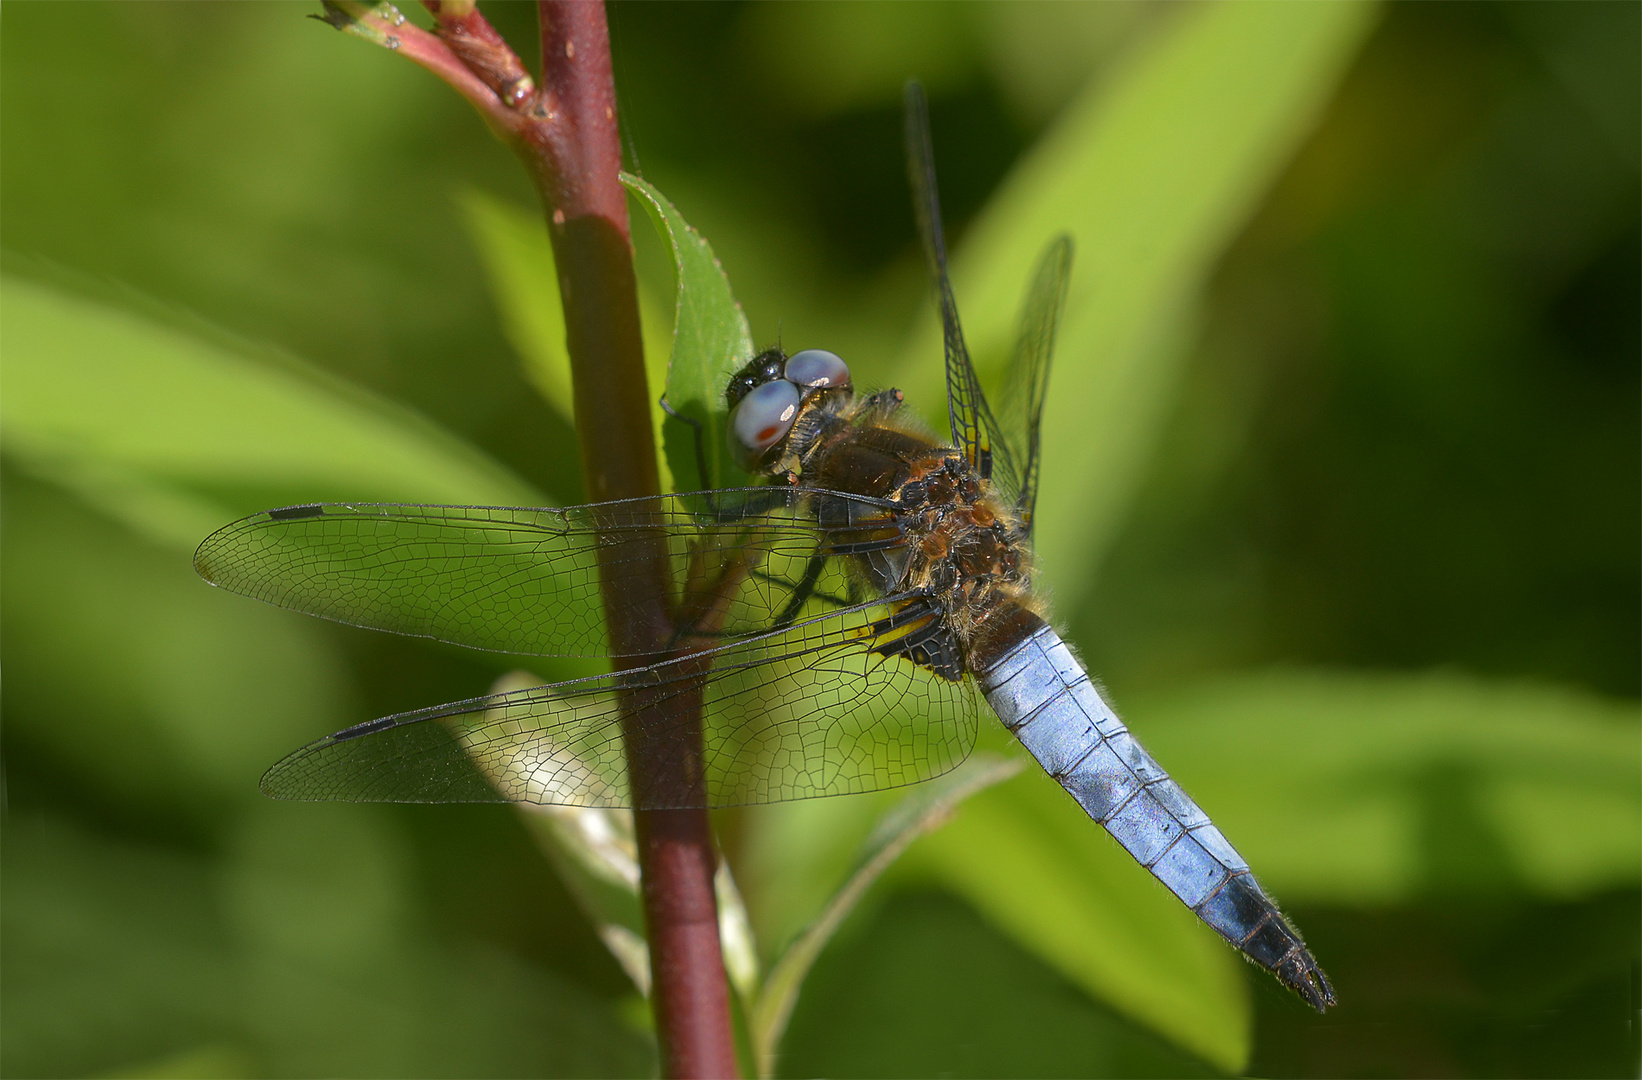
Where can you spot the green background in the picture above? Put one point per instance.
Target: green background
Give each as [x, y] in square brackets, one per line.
[1342, 505]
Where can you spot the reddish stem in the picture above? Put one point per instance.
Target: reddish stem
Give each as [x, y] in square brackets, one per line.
[482, 49]
[567, 135]
[579, 153]
[385, 26]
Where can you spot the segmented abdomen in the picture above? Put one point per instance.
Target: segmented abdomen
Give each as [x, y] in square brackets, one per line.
[1042, 694]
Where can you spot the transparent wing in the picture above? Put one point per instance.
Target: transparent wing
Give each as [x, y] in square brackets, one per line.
[526, 581]
[974, 431]
[1027, 381]
[827, 706]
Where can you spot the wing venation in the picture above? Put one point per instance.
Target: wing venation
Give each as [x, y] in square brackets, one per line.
[807, 711]
[525, 580]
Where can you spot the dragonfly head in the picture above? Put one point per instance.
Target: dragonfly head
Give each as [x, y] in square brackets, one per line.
[769, 397]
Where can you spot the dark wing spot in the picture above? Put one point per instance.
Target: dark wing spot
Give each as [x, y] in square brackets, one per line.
[367, 728]
[293, 513]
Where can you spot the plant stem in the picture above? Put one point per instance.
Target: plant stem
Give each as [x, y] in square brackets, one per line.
[592, 247]
[565, 131]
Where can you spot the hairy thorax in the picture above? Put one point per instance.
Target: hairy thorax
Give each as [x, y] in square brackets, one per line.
[950, 539]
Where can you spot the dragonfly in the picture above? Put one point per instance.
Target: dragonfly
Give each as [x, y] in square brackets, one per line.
[841, 626]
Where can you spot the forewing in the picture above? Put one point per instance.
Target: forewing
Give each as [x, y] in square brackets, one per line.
[803, 712]
[515, 579]
[1027, 380]
[974, 431]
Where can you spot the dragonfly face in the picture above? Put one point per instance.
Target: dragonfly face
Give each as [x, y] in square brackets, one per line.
[780, 404]
[841, 628]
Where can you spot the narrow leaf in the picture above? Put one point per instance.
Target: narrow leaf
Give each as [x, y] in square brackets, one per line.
[1341, 788]
[594, 853]
[374, 23]
[596, 856]
[167, 697]
[176, 431]
[1395, 785]
[925, 809]
[1153, 171]
[710, 341]
[1027, 857]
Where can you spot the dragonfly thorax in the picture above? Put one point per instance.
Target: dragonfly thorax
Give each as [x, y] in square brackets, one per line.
[943, 534]
[966, 549]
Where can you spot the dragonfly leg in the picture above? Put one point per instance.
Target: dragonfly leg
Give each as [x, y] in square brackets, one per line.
[854, 597]
[883, 402]
[801, 594]
[701, 449]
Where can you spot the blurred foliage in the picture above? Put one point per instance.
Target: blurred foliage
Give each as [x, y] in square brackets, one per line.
[1343, 463]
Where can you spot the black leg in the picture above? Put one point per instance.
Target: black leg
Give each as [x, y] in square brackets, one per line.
[703, 479]
[855, 596]
[806, 587]
[802, 591]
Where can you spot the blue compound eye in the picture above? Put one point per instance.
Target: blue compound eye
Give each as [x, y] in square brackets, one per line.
[817, 367]
[762, 419]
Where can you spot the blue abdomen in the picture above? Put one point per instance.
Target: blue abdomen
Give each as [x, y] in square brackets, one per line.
[1042, 693]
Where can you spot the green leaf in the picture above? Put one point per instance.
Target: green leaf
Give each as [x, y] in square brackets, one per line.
[524, 284]
[1153, 171]
[927, 808]
[1029, 859]
[710, 341]
[1397, 786]
[1033, 56]
[1355, 789]
[178, 430]
[518, 257]
[867, 50]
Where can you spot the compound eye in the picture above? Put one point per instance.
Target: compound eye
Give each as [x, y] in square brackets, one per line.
[817, 367]
[763, 419]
